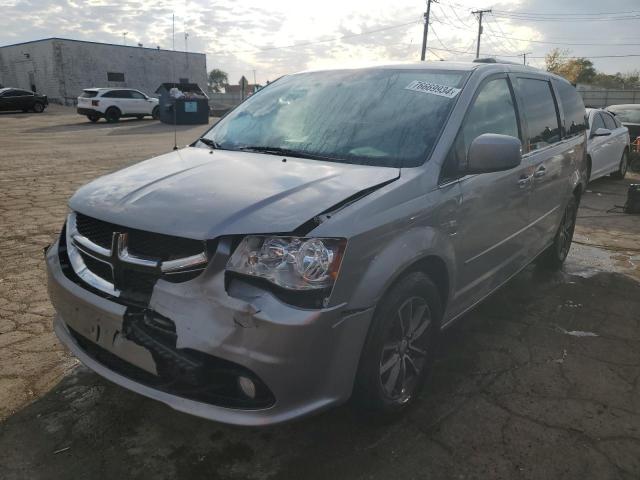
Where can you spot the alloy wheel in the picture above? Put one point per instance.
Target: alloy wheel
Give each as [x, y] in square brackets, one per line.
[404, 353]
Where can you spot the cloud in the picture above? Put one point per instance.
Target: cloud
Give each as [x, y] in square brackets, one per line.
[248, 36]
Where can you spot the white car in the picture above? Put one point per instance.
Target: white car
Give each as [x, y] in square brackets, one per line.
[114, 103]
[607, 146]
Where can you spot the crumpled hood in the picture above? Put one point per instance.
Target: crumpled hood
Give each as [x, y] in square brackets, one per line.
[201, 194]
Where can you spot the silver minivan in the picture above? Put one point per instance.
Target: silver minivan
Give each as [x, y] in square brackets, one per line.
[310, 247]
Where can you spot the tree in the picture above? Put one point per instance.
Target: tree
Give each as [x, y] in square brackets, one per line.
[576, 70]
[217, 80]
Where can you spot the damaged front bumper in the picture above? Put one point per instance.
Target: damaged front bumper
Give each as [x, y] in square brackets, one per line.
[189, 348]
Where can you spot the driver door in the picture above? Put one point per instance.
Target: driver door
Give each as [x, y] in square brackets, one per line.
[491, 242]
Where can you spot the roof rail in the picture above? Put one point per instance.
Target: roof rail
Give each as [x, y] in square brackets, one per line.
[494, 60]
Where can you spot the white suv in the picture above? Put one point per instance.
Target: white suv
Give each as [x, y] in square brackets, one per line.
[113, 103]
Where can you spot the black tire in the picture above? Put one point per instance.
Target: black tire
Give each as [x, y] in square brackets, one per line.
[155, 113]
[112, 115]
[623, 167]
[93, 118]
[588, 169]
[389, 342]
[38, 107]
[554, 256]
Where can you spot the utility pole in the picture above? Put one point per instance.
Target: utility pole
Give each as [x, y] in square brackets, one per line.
[524, 57]
[425, 32]
[480, 13]
[124, 38]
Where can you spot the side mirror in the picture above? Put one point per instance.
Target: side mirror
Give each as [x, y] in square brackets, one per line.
[491, 152]
[601, 132]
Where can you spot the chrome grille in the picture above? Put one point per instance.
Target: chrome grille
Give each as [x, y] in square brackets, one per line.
[122, 261]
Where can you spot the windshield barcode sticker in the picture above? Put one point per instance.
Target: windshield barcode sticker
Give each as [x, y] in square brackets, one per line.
[433, 88]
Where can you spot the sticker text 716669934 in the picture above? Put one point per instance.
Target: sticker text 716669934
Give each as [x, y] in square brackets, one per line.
[432, 88]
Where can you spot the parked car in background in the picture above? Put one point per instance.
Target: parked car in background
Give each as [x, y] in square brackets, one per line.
[608, 145]
[25, 100]
[112, 104]
[629, 116]
[310, 247]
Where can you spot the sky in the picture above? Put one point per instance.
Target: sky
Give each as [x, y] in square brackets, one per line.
[266, 39]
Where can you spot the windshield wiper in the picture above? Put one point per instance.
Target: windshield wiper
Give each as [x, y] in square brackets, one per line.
[210, 143]
[288, 153]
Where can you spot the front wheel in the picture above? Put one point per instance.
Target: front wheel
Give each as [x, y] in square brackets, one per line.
[554, 256]
[38, 107]
[155, 114]
[622, 168]
[399, 351]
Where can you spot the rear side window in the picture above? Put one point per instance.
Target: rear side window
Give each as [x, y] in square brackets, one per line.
[609, 122]
[539, 109]
[136, 95]
[493, 111]
[574, 121]
[89, 94]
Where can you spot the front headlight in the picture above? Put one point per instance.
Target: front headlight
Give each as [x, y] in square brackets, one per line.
[290, 262]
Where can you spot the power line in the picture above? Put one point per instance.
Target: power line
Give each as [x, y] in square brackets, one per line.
[565, 20]
[553, 14]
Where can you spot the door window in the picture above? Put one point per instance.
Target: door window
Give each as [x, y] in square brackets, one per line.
[493, 111]
[539, 109]
[117, 94]
[609, 122]
[574, 121]
[597, 123]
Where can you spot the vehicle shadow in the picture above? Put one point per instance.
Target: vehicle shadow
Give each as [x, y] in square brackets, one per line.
[517, 345]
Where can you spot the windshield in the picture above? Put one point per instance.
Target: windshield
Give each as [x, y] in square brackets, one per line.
[379, 117]
[627, 115]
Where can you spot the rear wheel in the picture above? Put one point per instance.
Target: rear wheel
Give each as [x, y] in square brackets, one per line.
[38, 107]
[112, 115]
[554, 256]
[623, 167]
[93, 117]
[399, 352]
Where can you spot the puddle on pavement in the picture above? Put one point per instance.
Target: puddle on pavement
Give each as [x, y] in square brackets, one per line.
[586, 261]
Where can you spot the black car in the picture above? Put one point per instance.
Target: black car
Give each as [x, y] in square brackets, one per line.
[629, 116]
[17, 99]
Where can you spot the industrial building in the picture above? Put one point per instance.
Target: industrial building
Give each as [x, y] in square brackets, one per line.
[62, 68]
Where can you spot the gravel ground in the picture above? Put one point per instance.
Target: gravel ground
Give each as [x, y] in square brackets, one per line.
[541, 381]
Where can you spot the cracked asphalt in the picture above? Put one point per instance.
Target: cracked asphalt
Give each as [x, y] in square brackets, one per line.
[541, 381]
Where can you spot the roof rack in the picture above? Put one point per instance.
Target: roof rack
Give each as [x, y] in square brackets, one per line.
[494, 60]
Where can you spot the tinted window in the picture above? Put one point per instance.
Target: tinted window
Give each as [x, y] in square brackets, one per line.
[608, 121]
[597, 122]
[383, 117]
[539, 110]
[117, 94]
[89, 94]
[136, 95]
[12, 93]
[115, 77]
[574, 121]
[492, 111]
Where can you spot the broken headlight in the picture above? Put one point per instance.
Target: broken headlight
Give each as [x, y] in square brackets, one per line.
[294, 263]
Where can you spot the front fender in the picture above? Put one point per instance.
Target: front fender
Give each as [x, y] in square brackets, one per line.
[398, 255]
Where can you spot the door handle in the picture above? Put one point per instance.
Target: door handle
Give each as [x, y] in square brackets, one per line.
[524, 180]
[540, 172]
